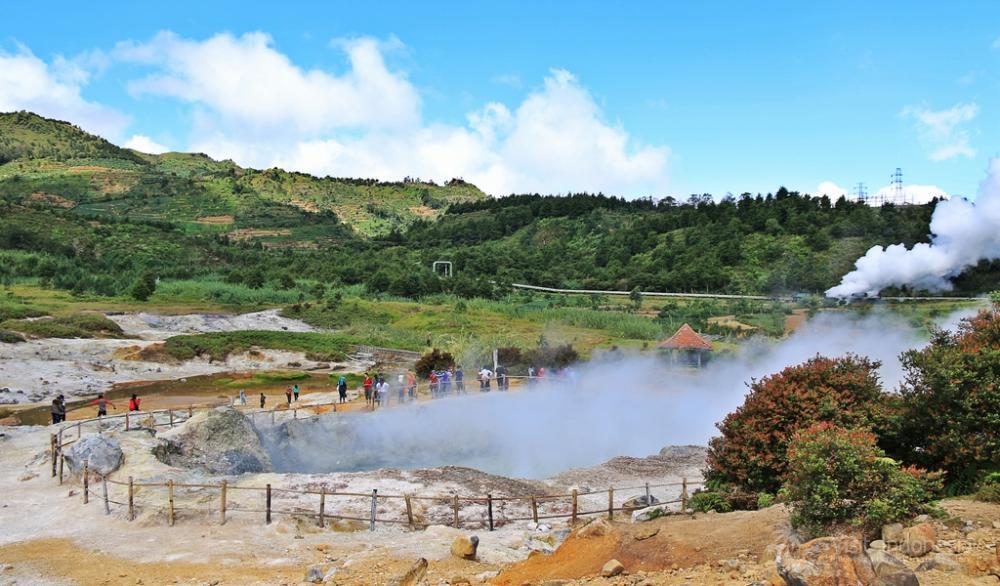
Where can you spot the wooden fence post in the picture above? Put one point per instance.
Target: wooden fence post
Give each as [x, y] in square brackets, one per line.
[267, 516]
[131, 500]
[573, 517]
[171, 414]
[126, 422]
[649, 497]
[86, 483]
[295, 413]
[534, 510]
[272, 416]
[611, 503]
[374, 496]
[489, 509]
[52, 453]
[409, 510]
[684, 494]
[222, 503]
[104, 490]
[454, 507]
[62, 463]
[322, 505]
[190, 411]
[170, 503]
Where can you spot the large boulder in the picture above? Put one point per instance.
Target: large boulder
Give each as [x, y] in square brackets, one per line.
[220, 441]
[465, 547]
[918, 541]
[827, 561]
[101, 453]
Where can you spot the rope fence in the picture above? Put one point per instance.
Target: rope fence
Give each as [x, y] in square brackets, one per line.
[175, 499]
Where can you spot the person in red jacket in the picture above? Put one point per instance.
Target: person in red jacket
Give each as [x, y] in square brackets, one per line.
[133, 403]
[367, 384]
[102, 405]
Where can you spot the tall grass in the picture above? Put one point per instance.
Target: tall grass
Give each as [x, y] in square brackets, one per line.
[214, 291]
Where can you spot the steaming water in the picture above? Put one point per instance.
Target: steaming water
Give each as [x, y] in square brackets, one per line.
[631, 407]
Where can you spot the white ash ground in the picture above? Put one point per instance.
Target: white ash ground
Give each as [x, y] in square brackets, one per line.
[35, 506]
[38, 370]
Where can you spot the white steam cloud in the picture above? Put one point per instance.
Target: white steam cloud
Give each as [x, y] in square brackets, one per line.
[962, 234]
[631, 407]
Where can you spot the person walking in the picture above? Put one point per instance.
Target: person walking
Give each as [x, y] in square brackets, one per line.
[401, 382]
[342, 389]
[133, 403]
[411, 383]
[288, 396]
[263, 399]
[367, 384]
[501, 378]
[459, 380]
[102, 405]
[58, 410]
[484, 379]
[243, 396]
[295, 391]
[433, 380]
[445, 382]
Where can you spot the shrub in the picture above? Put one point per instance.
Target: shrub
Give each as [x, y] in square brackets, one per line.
[949, 401]
[9, 337]
[839, 476]
[764, 500]
[703, 501]
[79, 325]
[751, 451]
[988, 488]
[143, 287]
[433, 360]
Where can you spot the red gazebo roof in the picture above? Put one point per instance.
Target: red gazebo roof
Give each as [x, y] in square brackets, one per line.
[685, 338]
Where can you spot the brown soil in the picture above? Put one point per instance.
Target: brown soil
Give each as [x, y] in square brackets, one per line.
[680, 542]
[64, 560]
[796, 320]
[247, 233]
[50, 199]
[215, 220]
[424, 211]
[307, 206]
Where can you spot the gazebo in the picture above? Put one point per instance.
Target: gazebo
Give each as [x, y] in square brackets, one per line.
[687, 347]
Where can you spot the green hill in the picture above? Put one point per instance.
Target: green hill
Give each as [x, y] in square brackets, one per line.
[46, 162]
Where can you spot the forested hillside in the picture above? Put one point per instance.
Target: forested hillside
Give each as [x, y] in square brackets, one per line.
[79, 213]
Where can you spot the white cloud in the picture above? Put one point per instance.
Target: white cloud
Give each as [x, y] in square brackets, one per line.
[915, 194]
[944, 131]
[254, 105]
[144, 144]
[249, 84]
[831, 190]
[54, 90]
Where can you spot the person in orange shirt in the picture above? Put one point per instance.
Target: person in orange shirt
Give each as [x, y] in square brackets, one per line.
[411, 384]
[367, 384]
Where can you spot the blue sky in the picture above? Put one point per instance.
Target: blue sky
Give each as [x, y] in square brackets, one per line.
[641, 99]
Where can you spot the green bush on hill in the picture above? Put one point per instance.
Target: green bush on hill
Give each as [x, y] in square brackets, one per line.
[219, 345]
[79, 325]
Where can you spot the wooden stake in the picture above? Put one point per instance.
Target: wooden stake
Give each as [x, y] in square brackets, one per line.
[374, 495]
[573, 518]
[684, 494]
[409, 510]
[267, 517]
[170, 503]
[454, 507]
[489, 509]
[322, 505]
[126, 422]
[611, 503]
[171, 413]
[104, 489]
[190, 411]
[649, 498]
[131, 500]
[62, 463]
[78, 432]
[52, 452]
[534, 510]
[295, 413]
[222, 502]
[86, 483]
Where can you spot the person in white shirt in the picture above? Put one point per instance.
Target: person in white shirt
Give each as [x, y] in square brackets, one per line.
[484, 379]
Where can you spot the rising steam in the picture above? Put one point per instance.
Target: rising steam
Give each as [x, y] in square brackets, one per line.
[627, 407]
[962, 234]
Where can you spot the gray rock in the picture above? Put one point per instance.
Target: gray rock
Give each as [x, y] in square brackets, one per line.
[885, 564]
[101, 453]
[650, 513]
[901, 578]
[612, 568]
[413, 576]
[877, 544]
[940, 561]
[314, 575]
[892, 533]
[220, 441]
[640, 502]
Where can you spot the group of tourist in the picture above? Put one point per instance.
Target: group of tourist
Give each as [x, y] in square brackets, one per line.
[58, 408]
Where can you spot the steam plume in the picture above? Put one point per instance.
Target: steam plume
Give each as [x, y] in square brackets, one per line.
[962, 234]
[630, 407]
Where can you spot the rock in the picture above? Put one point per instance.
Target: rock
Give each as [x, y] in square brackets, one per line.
[314, 576]
[884, 563]
[921, 519]
[892, 533]
[645, 532]
[27, 476]
[996, 524]
[412, 576]
[940, 561]
[900, 578]
[640, 502]
[540, 546]
[612, 568]
[877, 544]
[460, 581]
[733, 565]
[556, 582]
[101, 453]
[918, 541]
[487, 575]
[649, 513]
[220, 441]
[465, 547]
[825, 561]
[596, 528]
